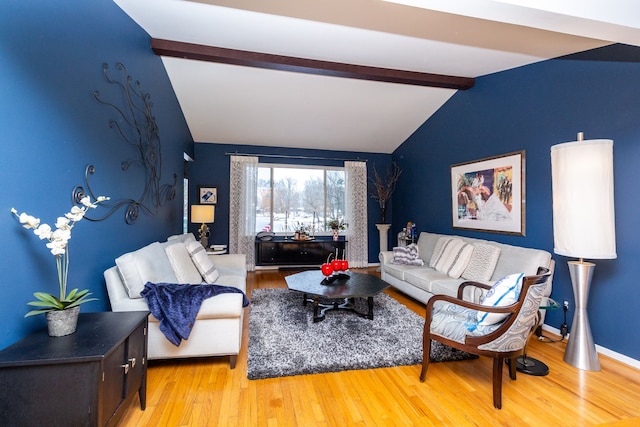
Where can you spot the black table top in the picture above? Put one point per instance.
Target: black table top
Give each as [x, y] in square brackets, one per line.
[355, 285]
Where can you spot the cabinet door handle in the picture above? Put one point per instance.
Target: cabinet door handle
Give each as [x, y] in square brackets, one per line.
[133, 362]
[126, 368]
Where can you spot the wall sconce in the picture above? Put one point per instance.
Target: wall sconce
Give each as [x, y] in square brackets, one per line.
[203, 214]
[583, 227]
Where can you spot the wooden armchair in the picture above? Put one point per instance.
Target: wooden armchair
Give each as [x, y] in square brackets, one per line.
[448, 321]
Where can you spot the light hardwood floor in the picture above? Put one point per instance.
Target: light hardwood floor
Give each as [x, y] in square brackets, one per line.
[205, 392]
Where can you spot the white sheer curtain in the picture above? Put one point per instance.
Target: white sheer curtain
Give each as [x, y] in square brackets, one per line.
[356, 213]
[242, 207]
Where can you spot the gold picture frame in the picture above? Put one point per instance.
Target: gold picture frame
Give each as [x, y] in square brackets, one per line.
[489, 194]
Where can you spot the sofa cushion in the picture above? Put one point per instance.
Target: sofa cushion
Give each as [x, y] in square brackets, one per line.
[407, 255]
[148, 264]
[451, 256]
[518, 259]
[179, 259]
[202, 262]
[504, 292]
[482, 263]
[424, 277]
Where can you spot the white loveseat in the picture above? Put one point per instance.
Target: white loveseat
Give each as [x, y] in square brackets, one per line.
[489, 262]
[218, 327]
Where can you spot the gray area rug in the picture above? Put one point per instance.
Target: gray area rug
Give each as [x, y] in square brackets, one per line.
[284, 341]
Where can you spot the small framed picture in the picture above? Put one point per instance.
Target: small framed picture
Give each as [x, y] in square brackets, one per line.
[207, 195]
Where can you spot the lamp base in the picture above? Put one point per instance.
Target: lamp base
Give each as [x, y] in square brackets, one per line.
[204, 235]
[581, 350]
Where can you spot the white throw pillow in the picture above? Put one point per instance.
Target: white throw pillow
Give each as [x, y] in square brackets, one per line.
[482, 263]
[148, 264]
[183, 238]
[451, 256]
[504, 292]
[186, 272]
[202, 262]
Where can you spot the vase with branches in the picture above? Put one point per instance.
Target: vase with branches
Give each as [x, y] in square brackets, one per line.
[384, 186]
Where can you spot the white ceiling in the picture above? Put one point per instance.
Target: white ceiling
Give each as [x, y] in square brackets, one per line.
[467, 38]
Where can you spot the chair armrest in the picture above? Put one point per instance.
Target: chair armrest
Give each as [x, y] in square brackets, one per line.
[471, 283]
[472, 305]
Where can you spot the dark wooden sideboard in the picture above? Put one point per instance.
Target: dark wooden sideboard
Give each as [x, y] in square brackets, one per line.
[289, 252]
[82, 379]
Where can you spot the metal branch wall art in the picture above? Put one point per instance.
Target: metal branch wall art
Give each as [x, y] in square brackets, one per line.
[136, 126]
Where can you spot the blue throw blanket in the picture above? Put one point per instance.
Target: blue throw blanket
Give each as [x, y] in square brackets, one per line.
[176, 306]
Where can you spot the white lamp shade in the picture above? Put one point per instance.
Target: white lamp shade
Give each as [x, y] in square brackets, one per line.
[201, 214]
[583, 207]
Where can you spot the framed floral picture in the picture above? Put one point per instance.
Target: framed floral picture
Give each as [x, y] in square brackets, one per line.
[207, 195]
[489, 194]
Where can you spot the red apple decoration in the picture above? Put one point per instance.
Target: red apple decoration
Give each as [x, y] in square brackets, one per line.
[327, 269]
[344, 265]
[336, 264]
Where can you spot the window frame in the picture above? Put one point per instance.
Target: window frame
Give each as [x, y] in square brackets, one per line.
[272, 166]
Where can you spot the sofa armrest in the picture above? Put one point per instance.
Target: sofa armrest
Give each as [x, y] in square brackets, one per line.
[118, 296]
[238, 261]
[386, 257]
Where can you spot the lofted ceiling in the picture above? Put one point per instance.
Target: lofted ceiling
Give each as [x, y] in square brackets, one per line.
[239, 104]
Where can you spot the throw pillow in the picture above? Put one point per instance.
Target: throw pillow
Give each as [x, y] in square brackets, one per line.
[504, 292]
[202, 262]
[407, 255]
[451, 256]
[482, 263]
[186, 271]
[147, 264]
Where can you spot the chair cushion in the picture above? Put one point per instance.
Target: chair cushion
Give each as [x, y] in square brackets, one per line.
[148, 264]
[504, 292]
[179, 259]
[451, 256]
[452, 321]
[202, 262]
[482, 263]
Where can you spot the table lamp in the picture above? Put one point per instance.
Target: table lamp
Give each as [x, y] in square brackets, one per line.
[203, 214]
[583, 227]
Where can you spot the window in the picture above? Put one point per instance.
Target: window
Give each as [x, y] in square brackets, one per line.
[291, 197]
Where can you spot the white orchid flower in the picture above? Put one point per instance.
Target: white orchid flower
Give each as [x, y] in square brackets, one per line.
[86, 201]
[29, 221]
[43, 232]
[57, 248]
[76, 214]
[62, 223]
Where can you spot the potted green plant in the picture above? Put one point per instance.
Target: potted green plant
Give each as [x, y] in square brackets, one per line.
[61, 311]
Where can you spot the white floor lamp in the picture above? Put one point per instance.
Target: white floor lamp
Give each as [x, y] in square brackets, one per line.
[583, 227]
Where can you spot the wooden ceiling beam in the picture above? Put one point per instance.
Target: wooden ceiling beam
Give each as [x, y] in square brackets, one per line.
[302, 65]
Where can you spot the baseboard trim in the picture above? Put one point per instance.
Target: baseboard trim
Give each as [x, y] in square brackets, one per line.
[603, 350]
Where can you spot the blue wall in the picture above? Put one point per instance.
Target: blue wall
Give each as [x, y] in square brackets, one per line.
[51, 128]
[211, 167]
[532, 108]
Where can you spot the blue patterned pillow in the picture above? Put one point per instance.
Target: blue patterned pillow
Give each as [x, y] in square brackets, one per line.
[504, 292]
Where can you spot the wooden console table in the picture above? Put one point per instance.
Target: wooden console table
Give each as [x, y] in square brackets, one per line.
[297, 253]
[82, 379]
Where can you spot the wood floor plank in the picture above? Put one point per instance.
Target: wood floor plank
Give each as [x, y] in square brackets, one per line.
[205, 392]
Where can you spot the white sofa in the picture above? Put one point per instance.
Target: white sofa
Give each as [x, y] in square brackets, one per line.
[422, 282]
[218, 327]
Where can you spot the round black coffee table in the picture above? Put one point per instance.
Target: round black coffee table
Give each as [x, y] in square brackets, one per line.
[346, 287]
